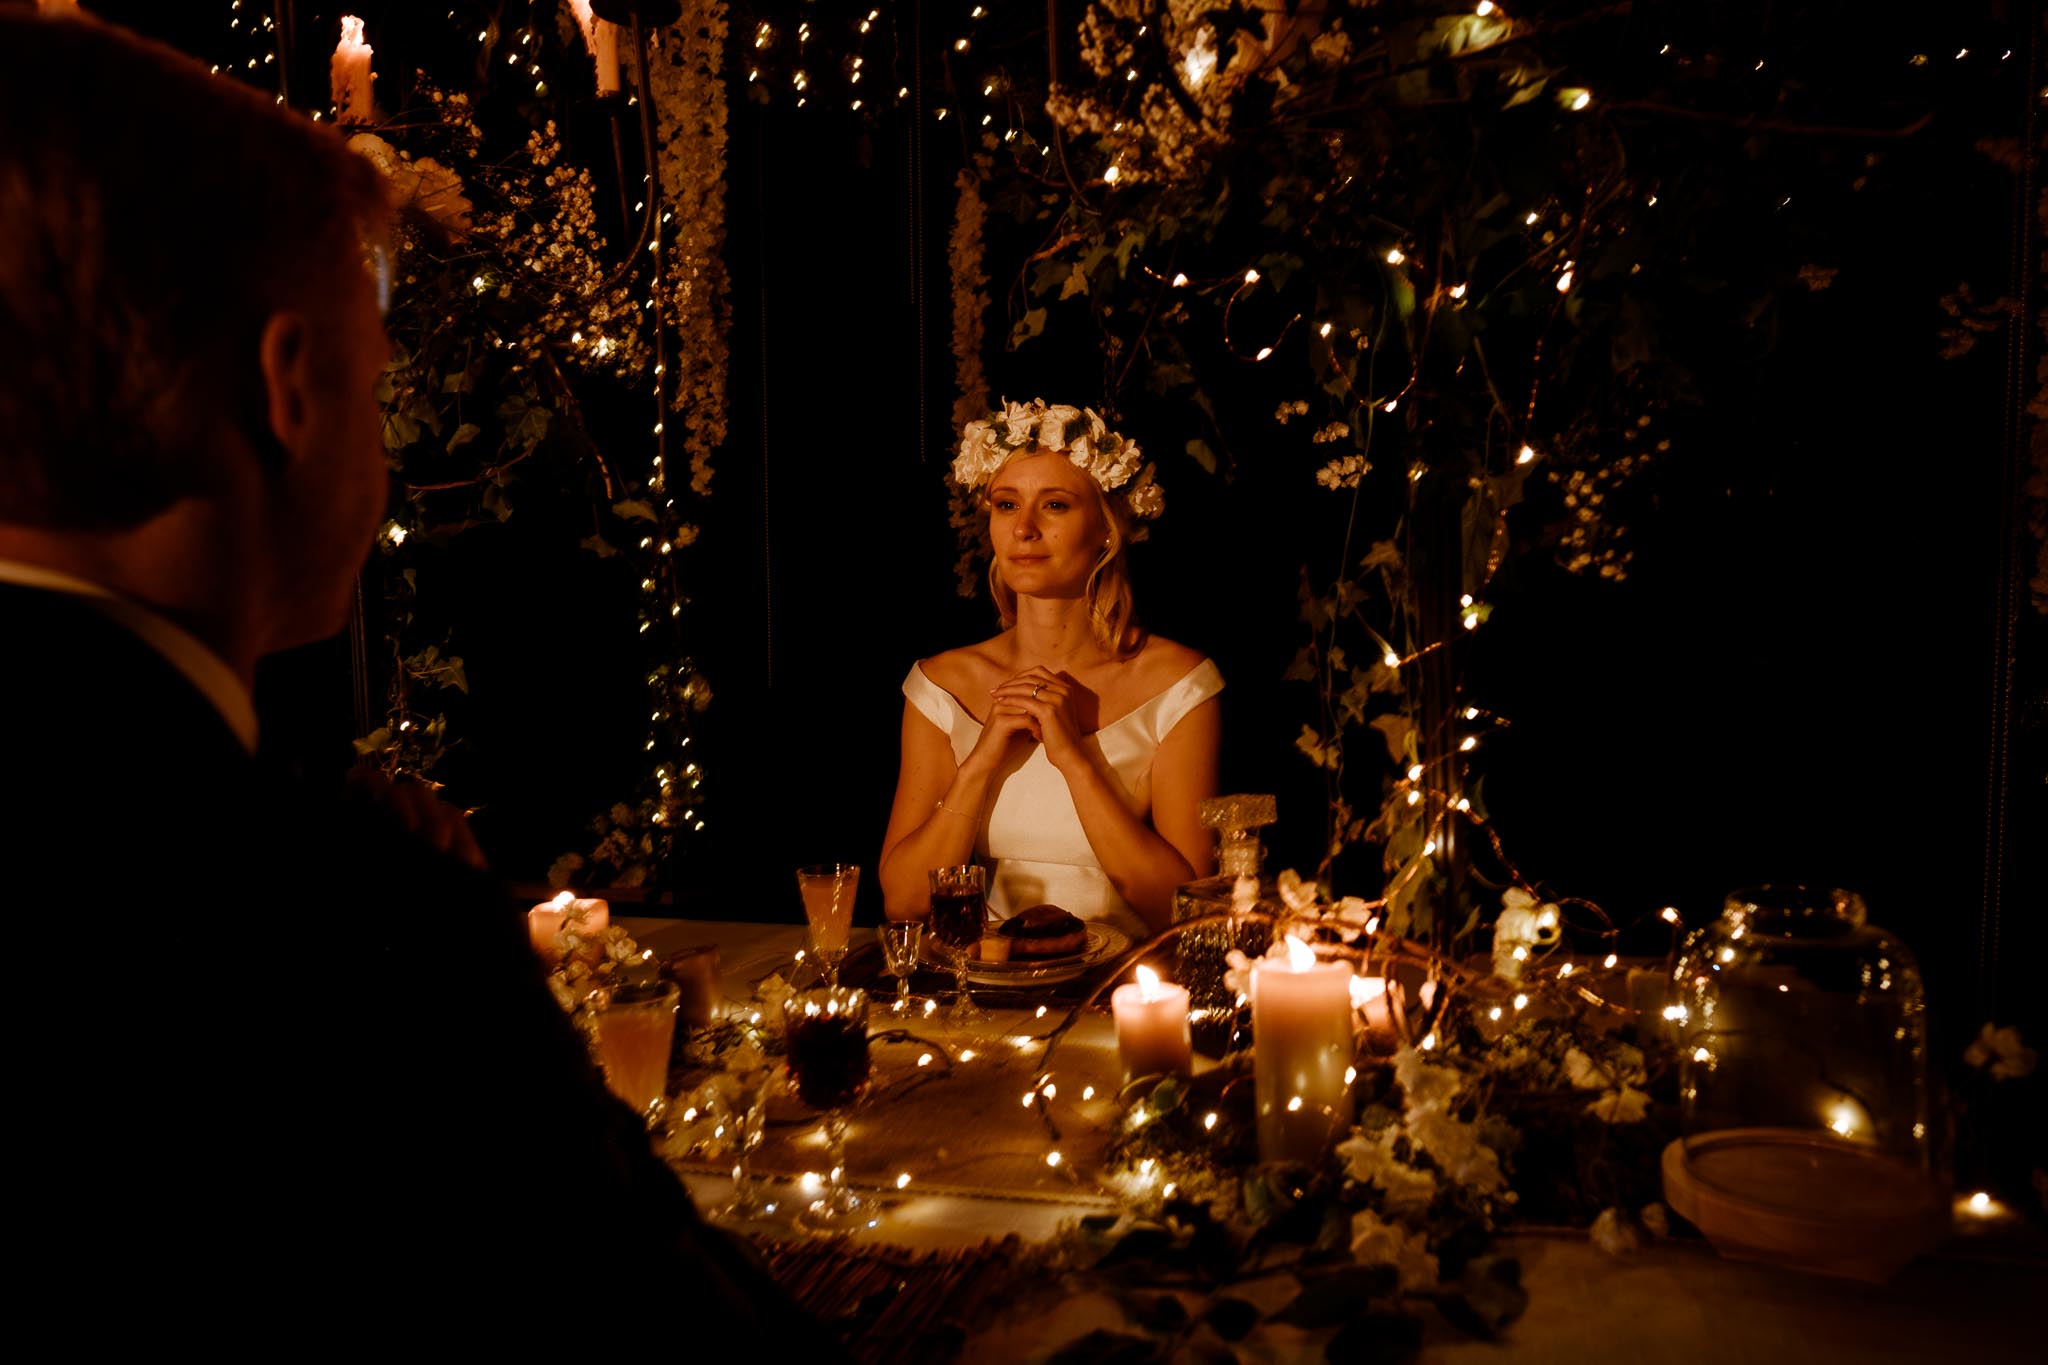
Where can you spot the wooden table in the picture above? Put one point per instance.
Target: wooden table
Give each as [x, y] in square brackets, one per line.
[976, 1157]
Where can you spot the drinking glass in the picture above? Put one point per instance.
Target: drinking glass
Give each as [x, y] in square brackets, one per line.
[754, 1086]
[636, 1028]
[828, 904]
[959, 914]
[901, 940]
[829, 1066]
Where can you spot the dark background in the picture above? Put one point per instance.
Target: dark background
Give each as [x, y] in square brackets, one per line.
[1795, 681]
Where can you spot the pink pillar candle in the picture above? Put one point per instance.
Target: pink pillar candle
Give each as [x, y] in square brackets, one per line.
[1152, 1036]
[547, 922]
[1302, 1053]
[349, 74]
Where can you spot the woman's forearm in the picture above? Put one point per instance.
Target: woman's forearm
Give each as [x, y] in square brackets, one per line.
[946, 838]
[1143, 867]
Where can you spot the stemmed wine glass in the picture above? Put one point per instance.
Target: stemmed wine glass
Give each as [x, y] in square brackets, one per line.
[753, 1073]
[959, 914]
[827, 890]
[901, 940]
[829, 1068]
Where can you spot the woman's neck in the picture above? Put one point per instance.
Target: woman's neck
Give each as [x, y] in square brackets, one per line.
[1055, 632]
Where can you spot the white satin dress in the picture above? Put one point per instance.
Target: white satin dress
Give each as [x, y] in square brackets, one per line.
[1031, 835]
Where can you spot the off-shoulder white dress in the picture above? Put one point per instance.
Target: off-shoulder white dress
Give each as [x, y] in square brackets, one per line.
[1031, 835]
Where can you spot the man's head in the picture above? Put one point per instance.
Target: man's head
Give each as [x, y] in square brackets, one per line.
[185, 313]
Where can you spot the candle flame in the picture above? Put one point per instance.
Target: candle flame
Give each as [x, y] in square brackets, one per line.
[1300, 957]
[351, 31]
[563, 900]
[1148, 984]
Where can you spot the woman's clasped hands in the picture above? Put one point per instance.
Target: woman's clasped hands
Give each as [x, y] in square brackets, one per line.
[1041, 703]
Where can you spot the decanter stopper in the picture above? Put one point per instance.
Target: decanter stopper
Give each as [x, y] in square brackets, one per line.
[1237, 821]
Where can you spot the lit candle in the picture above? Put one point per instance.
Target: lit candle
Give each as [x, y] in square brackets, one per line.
[349, 74]
[1152, 1036]
[545, 923]
[1369, 998]
[602, 38]
[1301, 1034]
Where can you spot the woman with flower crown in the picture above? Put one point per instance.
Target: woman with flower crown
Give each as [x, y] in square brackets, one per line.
[1072, 752]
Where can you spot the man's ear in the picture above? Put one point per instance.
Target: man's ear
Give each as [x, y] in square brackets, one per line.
[286, 354]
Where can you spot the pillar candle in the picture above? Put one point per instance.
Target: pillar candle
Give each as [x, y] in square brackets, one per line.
[602, 38]
[1152, 1035]
[1369, 998]
[349, 73]
[545, 923]
[1302, 1053]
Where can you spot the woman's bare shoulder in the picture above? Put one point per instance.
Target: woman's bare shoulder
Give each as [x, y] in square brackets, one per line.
[975, 667]
[1163, 662]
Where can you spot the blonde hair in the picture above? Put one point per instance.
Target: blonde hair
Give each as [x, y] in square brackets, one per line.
[1112, 611]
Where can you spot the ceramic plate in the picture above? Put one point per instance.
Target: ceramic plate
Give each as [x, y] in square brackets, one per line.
[1104, 942]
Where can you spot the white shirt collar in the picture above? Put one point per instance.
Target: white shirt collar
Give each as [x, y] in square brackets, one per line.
[204, 669]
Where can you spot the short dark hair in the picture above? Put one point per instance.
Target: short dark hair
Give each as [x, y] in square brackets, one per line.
[152, 218]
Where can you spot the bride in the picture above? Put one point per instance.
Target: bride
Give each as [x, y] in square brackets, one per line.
[1072, 752]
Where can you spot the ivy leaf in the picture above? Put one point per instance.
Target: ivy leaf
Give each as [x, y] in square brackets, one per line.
[1489, 1296]
[1321, 754]
[1231, 1318]
[1338, 1296]
[375, 742]
[1075, 283]
[1204, 456]
[598, 546]
[1104, 1347]
[1303, 669]
[464, 434]
[1028, 326]
[633, 509]
[1398, 731]
[400, 431]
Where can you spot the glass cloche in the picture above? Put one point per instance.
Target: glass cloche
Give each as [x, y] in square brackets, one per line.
[1802, 1053]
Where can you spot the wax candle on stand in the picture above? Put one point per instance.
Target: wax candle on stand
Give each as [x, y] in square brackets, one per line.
[1369, 998]
[602, 39]
[1302, 1053]
[546, 922]
[1152, 1034]
[349, 74]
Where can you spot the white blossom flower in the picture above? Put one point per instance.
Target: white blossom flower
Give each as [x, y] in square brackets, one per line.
[1299, 896]
[1108, 458]
[1423, 1083]
[1374, 1241]
[1344, 472]
[1371, 1161]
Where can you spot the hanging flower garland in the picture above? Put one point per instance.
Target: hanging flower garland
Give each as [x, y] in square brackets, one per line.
[695, 294]
[970, 306]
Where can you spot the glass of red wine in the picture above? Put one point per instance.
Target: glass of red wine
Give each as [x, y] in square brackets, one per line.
[827, 1034]
[959, 915]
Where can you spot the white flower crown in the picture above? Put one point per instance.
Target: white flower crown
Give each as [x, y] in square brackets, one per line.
[1078, 433]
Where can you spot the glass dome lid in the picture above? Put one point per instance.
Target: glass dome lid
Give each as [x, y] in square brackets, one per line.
[1802, 1053]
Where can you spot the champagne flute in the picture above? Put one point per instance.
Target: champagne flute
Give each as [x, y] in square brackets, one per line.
[829, 1068]
[827, 889]
[901, 940]
[959, 914]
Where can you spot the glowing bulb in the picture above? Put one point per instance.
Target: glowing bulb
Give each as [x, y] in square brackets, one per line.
[1521, 1002]
[1209, 1123]
[1493, 1013]
[1700, 1054]
[1428, 848]
[1415, 772]
[1088, 1092]
[1485, 8]
[1669, 914]
[1393, 660]
[1180, 281]
[1582, 99]
[1531, 219]
[1565, 970]
[1611, 960]
[1052, 1158]
[924, 1059]
[1111, 176]
[1457, 291]
[1394, 256]
[1980, 1204]
[903, 1181]
[1388, 406]
[966, 1054]
[1294, 1104]
[1564, 282]
[1525, 454]
[1324, 330]
[1251, 277]
[1265, 352]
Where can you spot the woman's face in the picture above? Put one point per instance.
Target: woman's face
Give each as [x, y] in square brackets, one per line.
[1046, 522]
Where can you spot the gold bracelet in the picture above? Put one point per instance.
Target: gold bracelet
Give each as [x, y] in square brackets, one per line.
[941, 805]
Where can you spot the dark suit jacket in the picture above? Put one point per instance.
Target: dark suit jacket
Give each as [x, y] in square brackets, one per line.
[271, 1060]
